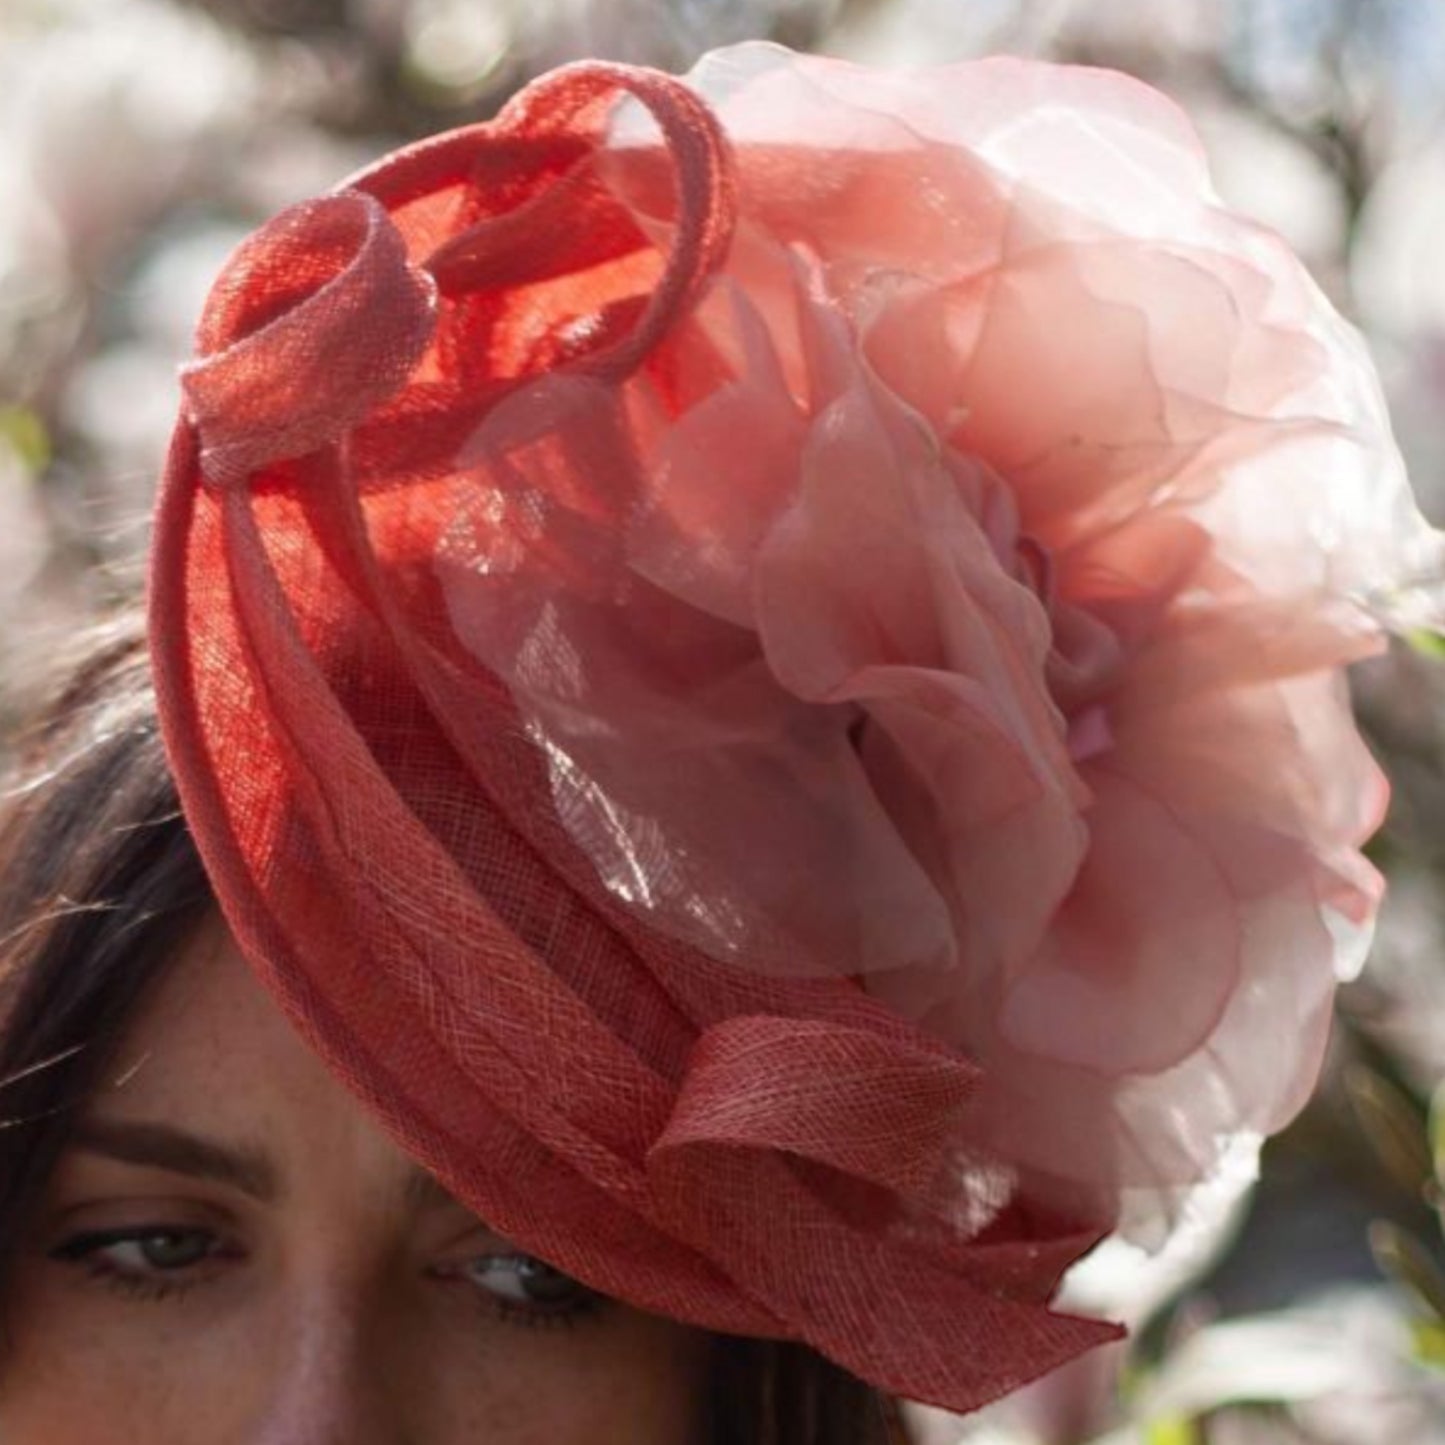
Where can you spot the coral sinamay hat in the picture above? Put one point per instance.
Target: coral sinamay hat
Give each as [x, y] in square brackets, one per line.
[756, 661]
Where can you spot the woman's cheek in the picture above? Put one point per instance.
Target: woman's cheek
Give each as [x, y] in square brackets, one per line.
[620, 1377]
[81, 1364]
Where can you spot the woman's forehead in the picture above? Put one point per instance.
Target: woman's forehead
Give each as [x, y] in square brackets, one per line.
[212, 1053]
[207, 1015]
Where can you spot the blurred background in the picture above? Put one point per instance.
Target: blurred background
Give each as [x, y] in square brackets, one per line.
[140, 139]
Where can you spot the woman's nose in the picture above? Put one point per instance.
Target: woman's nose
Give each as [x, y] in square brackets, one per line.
[328, 1379]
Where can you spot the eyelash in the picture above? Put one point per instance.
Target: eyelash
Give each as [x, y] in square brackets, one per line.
[84, 1251]
[582, 1306]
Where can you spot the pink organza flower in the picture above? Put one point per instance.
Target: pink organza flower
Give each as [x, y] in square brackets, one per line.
[968, 616]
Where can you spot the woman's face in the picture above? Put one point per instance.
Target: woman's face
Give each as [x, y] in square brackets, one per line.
[231, 1254]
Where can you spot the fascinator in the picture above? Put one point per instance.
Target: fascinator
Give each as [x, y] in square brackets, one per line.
[756, 661]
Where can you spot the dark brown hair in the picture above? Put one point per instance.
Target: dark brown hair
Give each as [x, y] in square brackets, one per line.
[100, 884]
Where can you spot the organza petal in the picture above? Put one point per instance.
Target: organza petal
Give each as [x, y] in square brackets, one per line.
[1143, 952]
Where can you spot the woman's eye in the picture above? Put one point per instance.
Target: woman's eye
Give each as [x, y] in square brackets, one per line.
[523, 1284]
[168, 1250]
[158, 1258]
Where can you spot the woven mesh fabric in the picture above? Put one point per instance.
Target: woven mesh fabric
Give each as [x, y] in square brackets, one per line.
[644, 954]
[756, 1154]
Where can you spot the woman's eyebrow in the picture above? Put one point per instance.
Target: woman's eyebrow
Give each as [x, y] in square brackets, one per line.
[162, 1146]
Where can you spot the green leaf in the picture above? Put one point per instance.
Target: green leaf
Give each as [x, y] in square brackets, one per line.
[1401, 1256]
[1426, 642]
[1390, 1120]
[1172, 1430]
[1435, 1129]
[1428, 1337]
[26, 435]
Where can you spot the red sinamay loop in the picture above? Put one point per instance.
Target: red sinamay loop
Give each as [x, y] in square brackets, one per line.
[316, 319]
[705, 193]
